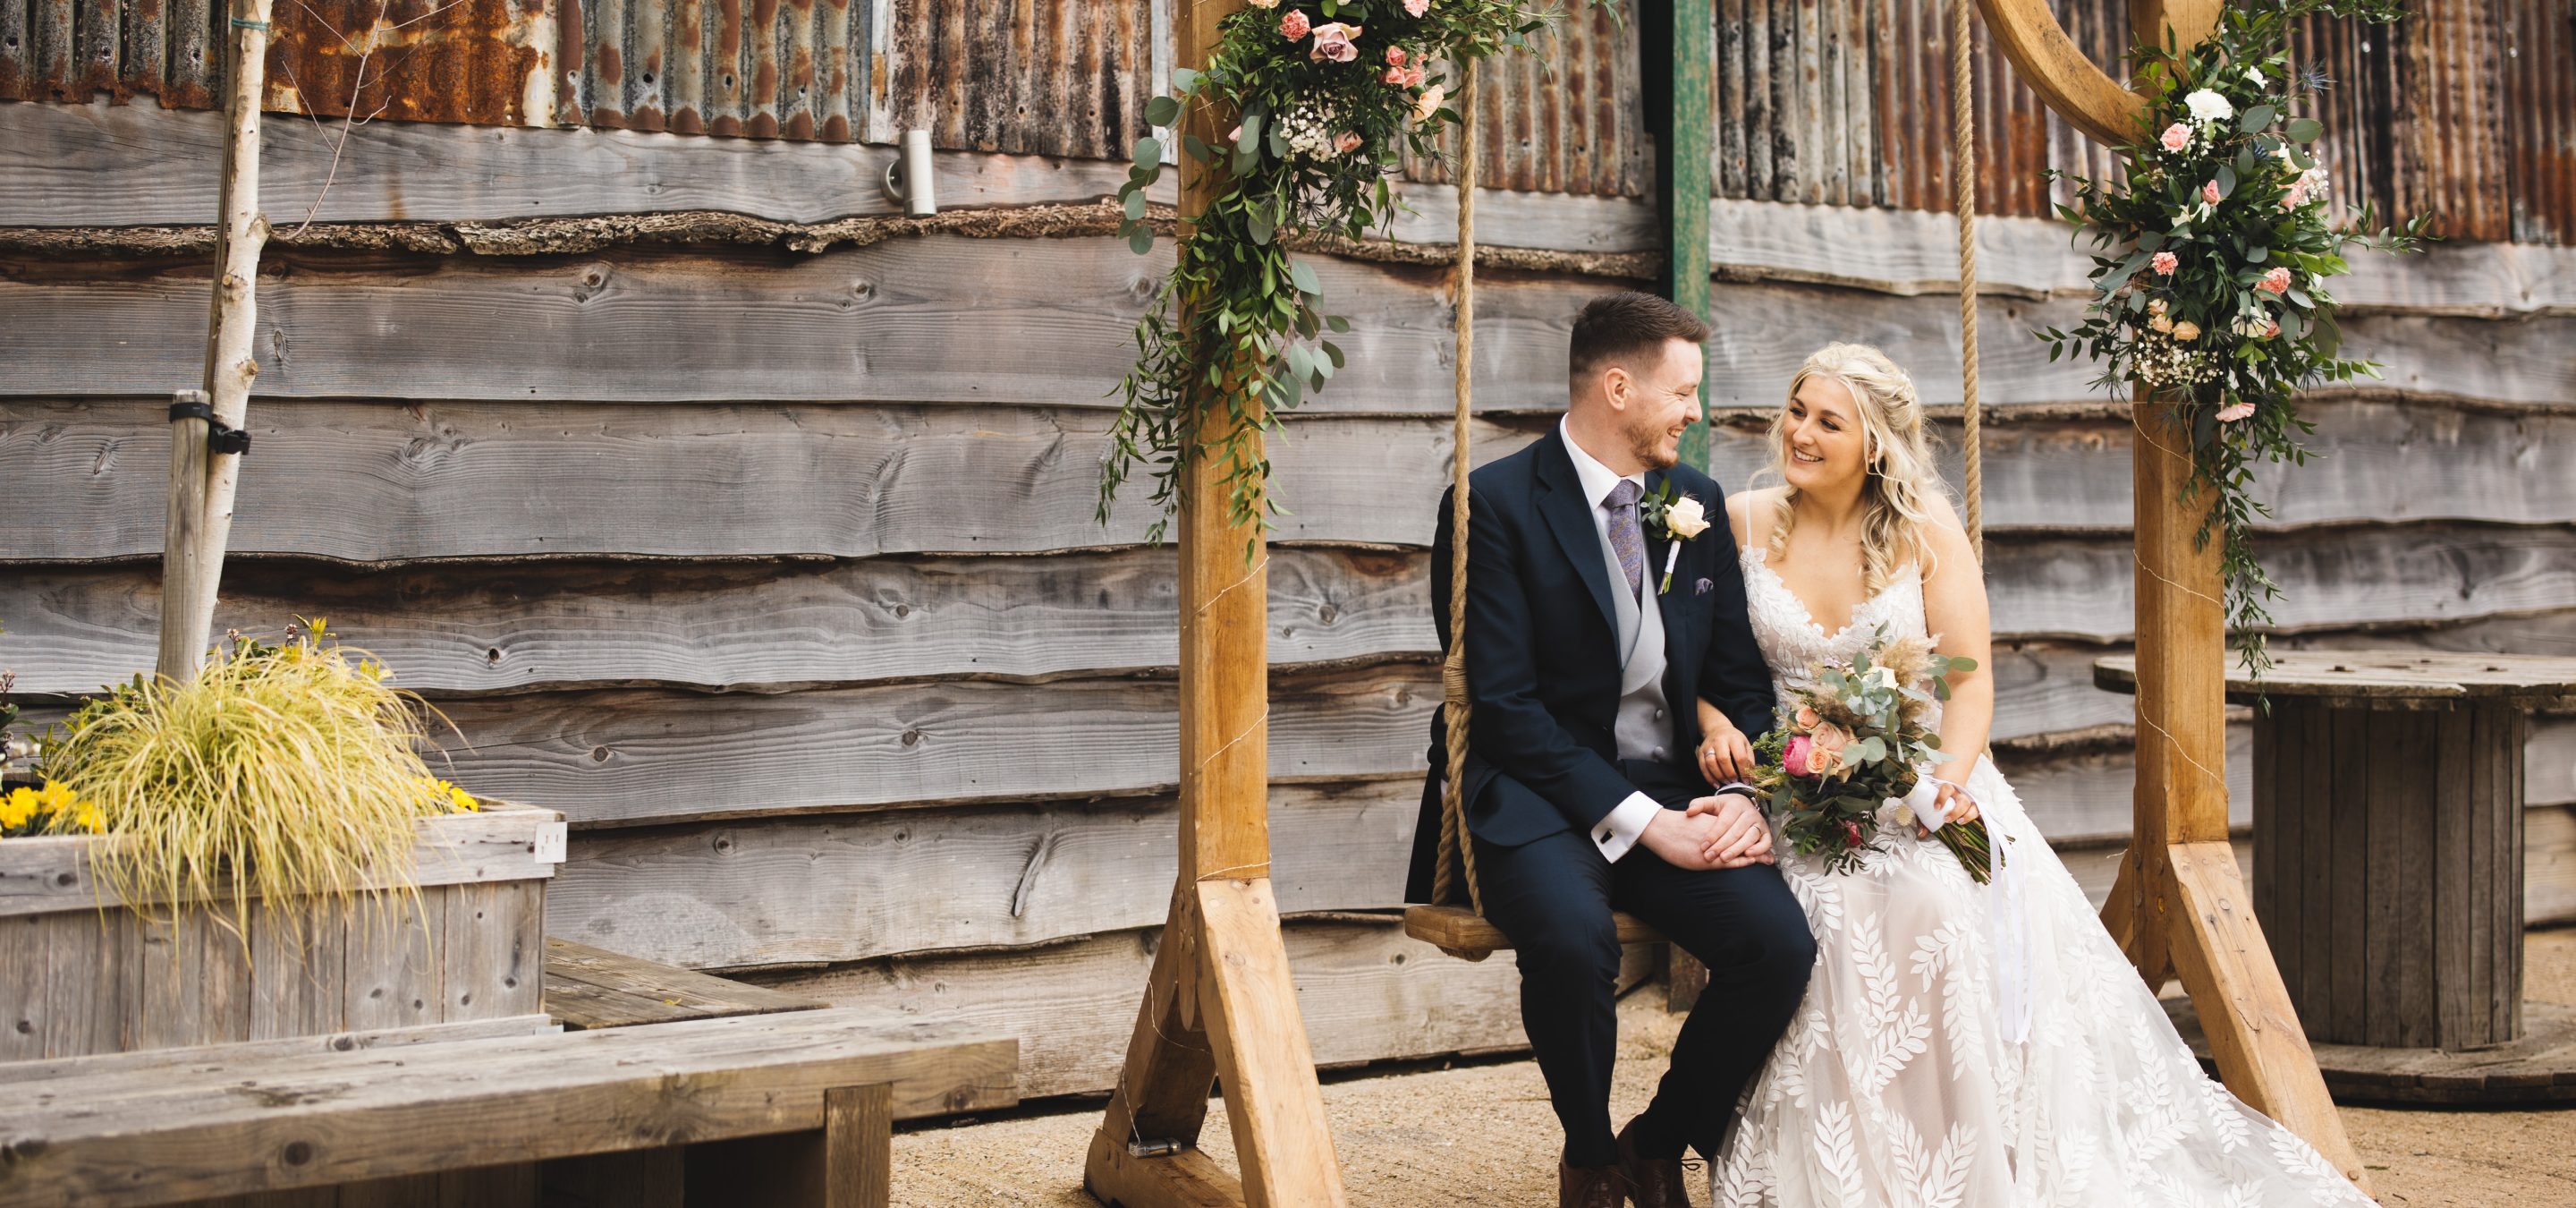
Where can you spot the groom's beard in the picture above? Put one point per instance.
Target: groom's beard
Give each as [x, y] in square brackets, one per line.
[1647, 446]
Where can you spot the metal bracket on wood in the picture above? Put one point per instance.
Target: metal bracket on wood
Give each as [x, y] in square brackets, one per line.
[220, 436]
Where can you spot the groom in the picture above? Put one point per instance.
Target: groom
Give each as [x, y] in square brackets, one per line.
[1582, 788]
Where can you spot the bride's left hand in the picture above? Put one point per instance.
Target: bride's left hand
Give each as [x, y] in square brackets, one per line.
[1956, 806]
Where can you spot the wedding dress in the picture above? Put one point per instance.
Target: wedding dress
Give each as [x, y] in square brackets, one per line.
[1978, 1045]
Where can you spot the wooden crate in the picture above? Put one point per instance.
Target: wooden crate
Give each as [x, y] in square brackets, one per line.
[80, 973]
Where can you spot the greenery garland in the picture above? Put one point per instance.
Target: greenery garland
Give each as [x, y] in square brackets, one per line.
[2211, 292]
[1328, 94]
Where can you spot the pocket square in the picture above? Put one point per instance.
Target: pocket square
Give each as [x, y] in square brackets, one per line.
[1705, 586]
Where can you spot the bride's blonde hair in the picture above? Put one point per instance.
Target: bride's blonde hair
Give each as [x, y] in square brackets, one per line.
[1900, 480]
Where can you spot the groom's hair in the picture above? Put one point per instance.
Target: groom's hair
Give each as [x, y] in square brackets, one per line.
[1625, 326]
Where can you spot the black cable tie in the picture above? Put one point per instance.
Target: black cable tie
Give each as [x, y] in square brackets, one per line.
[220, 438]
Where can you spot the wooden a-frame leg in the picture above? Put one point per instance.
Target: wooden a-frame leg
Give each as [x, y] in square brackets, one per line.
[2133, 917]
[2245, 1011]
[1218, 1002]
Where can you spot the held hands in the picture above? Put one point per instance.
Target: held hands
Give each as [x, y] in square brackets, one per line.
[1714, 833]
[1724, 753]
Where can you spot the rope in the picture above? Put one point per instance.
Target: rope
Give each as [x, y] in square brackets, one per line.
[1963, 158]
[1457, 848]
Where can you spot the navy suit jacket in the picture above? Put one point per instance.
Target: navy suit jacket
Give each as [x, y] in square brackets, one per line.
[1543, 665]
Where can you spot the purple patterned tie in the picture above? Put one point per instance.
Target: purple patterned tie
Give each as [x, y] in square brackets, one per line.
[1626, 539]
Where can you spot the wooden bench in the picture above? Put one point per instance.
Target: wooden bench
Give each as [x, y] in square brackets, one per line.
[786, 1109]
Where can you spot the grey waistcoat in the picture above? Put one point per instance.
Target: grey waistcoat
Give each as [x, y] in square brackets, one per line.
[1645, 728]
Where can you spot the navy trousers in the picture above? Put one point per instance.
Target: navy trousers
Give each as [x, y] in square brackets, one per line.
[1554, 898]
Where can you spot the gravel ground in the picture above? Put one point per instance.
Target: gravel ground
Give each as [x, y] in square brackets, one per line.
[1481, 1134]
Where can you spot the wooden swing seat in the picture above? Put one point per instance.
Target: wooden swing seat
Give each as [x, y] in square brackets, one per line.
[1460, 931]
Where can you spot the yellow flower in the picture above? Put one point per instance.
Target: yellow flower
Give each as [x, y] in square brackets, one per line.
[461, 801]
[17, 809]
[55, 798]
[89, 819]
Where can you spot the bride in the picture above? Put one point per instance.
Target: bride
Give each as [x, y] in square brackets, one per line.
[1961, 1044]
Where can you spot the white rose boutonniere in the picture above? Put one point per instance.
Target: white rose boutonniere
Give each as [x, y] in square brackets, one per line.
[1676, 521]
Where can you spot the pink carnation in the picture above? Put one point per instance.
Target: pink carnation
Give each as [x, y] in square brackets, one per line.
[2209, 192]
[2176, 137]
[2275, 282]
[1294, 25]
[2165, 263]
[1417, 7]
[2234, 412]
[1395, 56]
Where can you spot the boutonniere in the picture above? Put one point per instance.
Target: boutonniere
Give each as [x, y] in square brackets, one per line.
[1674, 520]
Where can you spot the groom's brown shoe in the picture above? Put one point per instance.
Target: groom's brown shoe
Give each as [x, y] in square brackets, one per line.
[1586, 1186]
[1650, 1182]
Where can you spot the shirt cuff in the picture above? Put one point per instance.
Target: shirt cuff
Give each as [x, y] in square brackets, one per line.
[1615, 834]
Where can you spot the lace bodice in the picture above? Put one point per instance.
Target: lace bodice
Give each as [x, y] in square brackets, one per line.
[1793, 643]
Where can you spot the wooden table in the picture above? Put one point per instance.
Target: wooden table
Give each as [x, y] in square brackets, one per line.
[2388, 846]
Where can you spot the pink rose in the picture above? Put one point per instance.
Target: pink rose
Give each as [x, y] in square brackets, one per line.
[1417, 7]
[1294, 25]
[1345, 143]
[1234, 136]
[1395, 56]
[1851, 834]
[2235, 411]
[2209, 192]
[2176, 137]
[2271, 329]
[1428, 106]
[1412, 76]
[2165, 263]
[1394, 75]
[1807, 718]
[2275, 282]
[1333, 41]
[1793, 758]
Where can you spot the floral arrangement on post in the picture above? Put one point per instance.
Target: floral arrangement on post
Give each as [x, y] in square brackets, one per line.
[1854, 744]
[2220, 240]
[282, 771]
[1325, 95]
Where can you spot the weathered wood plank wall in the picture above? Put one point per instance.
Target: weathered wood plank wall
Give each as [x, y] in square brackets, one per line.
[763, 548]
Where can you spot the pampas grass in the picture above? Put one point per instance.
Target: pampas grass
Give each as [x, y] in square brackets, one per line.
[281, 772]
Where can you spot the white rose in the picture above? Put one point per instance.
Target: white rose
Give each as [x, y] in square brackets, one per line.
[2252, 73]
[2208, 106]
[1686, 518]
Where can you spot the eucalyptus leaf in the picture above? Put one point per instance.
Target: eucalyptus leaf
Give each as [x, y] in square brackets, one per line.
[2226, 181]
[1135, 205]
[1185, 80]
[2304, 130]
[1303, 275]
[1162, 111]
[1141, 239]
[1149, 152]
[2257, 118]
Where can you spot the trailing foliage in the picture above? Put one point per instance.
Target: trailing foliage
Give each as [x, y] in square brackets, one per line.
[281, 771]
[2211, 289]
[1324, 98]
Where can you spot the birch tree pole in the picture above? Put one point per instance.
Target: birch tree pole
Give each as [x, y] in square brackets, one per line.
[206, 441]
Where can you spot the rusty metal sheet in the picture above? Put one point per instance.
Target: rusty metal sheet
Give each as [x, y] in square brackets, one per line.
[2539, 107]
[1566, 117]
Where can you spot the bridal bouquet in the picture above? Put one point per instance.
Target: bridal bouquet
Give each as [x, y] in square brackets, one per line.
[1856, 740]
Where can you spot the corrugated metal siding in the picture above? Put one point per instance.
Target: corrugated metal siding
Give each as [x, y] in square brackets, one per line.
[2415, 120]
[2466, 109]
[2540, 119]
[1847, 102]
[1029, 76]
[1565, 117]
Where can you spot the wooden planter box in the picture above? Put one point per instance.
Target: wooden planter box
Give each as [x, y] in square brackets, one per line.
[81, 974]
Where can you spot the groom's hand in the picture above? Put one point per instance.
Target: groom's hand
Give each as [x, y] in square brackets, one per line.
[1739, 837]
[1682, 840]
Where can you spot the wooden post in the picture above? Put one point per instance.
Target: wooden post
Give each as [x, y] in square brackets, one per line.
[1678, 43]
[193, 555]
[1218, 1001]
[2179, 905]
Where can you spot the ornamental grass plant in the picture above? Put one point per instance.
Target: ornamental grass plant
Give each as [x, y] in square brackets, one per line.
[287, 771]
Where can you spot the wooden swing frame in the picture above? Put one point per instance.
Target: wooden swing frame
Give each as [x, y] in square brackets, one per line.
[1219, 1000]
